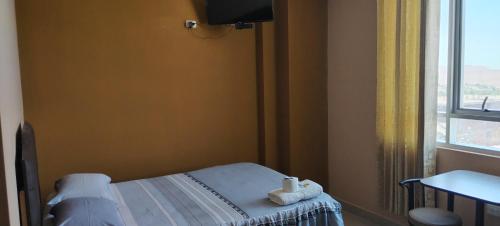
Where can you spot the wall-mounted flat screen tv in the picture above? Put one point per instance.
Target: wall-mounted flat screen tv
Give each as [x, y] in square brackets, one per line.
[239, 11]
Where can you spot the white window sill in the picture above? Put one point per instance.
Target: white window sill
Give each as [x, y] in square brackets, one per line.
[472, 150]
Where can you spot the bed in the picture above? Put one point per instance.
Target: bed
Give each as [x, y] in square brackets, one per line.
[234, 194]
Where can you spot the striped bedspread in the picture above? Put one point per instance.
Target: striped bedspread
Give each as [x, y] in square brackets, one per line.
[225, 195]
[174, 200]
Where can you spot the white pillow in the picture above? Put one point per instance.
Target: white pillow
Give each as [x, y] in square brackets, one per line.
[82, 186]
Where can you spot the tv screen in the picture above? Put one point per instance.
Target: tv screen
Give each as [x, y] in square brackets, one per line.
[236, 11]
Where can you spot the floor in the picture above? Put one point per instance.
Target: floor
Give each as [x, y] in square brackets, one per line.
[354, 220]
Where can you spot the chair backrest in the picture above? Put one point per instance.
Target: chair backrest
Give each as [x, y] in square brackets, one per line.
[27, 173]
[409, 184]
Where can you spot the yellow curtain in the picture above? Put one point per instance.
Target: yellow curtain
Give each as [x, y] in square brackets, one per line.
[398, 97]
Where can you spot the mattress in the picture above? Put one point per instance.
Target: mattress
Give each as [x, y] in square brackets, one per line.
[224, 195]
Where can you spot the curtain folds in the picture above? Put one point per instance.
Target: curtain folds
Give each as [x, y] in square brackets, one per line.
[400, 97]
[430, 78]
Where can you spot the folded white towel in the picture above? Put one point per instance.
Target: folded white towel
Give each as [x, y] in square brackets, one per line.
[308, 190]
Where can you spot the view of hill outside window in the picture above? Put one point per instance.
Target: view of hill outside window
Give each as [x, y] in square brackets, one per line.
[480, 86]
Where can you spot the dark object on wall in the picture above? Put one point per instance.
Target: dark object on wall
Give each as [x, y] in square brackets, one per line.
[239, 11]
[27, 173]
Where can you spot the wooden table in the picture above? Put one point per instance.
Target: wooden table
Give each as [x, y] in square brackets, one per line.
[483, 188]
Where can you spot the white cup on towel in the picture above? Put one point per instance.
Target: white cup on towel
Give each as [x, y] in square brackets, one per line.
[291, 184]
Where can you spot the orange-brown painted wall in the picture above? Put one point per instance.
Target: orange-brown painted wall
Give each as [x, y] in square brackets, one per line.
[352, 62]
[126, 90]
[267, 95]
[307, 89]
[123, 88]
[301, 99]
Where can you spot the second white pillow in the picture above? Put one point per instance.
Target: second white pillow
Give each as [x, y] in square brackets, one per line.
[84, 185]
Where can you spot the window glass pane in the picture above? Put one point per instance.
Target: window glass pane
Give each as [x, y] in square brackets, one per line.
[481, 72]
[474, 133]
[443, 70]
[441, 128]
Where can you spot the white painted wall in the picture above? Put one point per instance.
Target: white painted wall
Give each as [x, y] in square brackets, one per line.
[11, 107]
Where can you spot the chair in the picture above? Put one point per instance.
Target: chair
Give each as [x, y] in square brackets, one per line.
[427, 216]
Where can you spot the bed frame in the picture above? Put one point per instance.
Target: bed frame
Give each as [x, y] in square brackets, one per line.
[27, 174]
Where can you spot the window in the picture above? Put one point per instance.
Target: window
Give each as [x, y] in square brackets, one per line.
[469, 74]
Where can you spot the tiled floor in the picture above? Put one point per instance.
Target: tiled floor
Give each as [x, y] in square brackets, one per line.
[354, 220]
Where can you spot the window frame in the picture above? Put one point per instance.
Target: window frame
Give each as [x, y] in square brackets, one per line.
[456, 68]
[454, 84]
